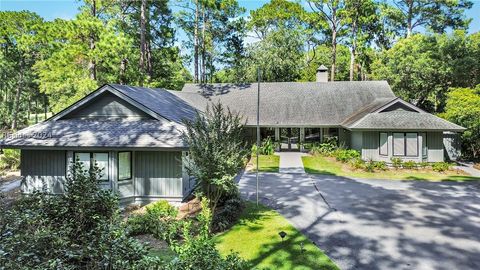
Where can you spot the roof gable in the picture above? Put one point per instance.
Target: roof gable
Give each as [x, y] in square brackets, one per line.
[107, 106]
[399, 105]
[92, 97]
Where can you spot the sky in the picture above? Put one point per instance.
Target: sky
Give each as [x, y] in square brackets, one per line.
[66, 9]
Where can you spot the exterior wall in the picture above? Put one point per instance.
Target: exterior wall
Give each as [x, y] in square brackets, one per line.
[370, 147]
[356, 140]
[155, 174]
[435, 146]
[453, 145]
[108, 106]
[344, 137]
[158, 175]
[43, 169]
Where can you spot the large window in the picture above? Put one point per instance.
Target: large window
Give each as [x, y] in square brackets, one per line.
[124, 165]
[405, 144]
[88, 160]
[383, 144]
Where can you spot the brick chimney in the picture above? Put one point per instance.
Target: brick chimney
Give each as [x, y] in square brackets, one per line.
[322, 74]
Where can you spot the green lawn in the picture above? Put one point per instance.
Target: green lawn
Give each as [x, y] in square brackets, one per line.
[326, 165]
[268, 163]
[255, 237]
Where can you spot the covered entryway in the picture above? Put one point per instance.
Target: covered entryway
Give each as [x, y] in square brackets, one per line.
[289, 139]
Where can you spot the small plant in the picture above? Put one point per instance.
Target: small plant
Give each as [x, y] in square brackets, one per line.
[441, 166]
[228, 214]
[380, 165]
[410, 164]
[357, 163]
[369, 166]
[161, 209]
[396, 162]
[267, 147]
[423, 165]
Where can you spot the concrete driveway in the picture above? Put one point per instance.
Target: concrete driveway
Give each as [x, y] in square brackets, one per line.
[379, 224]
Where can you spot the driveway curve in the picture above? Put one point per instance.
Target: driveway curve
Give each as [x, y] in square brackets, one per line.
[379, 224]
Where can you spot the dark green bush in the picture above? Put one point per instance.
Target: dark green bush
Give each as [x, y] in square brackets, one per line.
[79, 230]
[441, 166]
[227, 215]
[10, 159]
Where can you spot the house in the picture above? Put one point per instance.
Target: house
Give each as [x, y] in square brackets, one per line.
[134, 133]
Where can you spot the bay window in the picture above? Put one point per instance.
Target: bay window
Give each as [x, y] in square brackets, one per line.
[90, 159]
[124, 165]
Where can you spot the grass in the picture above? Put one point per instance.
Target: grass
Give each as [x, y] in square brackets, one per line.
[268, 163]
[255, 237]
[329, 166]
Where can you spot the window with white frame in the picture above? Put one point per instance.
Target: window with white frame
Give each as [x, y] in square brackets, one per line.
[424, 144]
[124, 165]
[89, 159]
[383, 145]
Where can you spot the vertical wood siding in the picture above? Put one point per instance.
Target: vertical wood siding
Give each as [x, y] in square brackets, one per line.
[108, 106]
[453, 145]
[370, 145]
[435, 146]
[43, 169]
[356, 140]
[158, 174]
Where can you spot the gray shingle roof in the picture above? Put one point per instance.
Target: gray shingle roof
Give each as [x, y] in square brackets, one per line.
[404, 120]
[160, 101]
[97, 133]
[294, 103]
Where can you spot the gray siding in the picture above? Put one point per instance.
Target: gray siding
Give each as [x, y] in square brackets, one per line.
[158, 174]
[108, 106]
[370, 145]
[435, 146]
[356, 140]
[43, 169]
[453, 145]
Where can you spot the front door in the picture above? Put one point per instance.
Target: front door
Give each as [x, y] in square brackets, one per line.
[289, 139]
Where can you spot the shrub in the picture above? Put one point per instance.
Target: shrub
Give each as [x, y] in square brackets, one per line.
[158, 220]
[79, 230]
[357, 163]
[227, 215]
[396, 162]
[410, 164]
[380, 165]
[345, 155]
[441, 166]
[199, 252]
[161, 209]
[323, 149]
[10, 159]
[369, 166]
[267, 147]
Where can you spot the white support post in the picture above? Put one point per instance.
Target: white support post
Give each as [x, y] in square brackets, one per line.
[302, 138]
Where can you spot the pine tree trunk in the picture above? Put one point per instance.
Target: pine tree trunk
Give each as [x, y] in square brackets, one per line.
[334, 54]
[204, 49]
[91, 64]
[353, 50]
[195, 42]
[36, 110]
[17, 99]
[143, 7]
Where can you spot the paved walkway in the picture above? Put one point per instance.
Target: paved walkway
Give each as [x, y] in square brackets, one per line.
[379, 224]
[468, 167]
[291, 162]
[9, 186]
